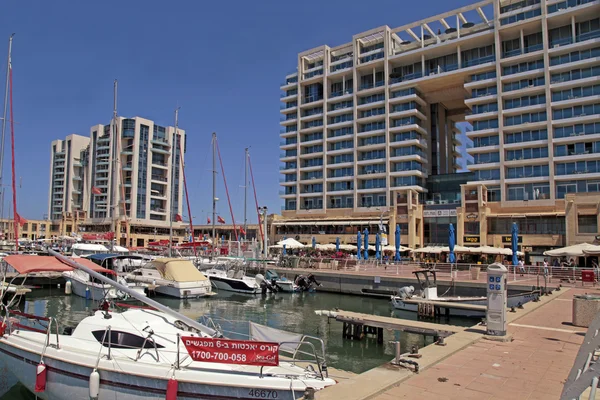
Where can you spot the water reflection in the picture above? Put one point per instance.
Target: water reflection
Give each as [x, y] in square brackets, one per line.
[293, 312]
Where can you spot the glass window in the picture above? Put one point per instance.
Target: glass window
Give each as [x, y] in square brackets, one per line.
[587, 224]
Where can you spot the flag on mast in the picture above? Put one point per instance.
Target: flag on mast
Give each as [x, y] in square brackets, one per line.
[220, 220]
[208, 220]
[178, 218]
[95, 190]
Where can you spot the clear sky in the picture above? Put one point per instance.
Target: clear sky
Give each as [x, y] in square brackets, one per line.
[222, 62]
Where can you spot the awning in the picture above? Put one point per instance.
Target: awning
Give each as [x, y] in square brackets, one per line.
[26, 264]
[332, 223]
[538, 214]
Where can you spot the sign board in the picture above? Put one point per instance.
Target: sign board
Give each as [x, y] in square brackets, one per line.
[384, 239]
[587, 276]
[226, 351]
[472, 216]
[439, 213]
[508, 239]
[471, 239]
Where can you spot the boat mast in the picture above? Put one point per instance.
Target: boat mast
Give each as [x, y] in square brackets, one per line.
[173, 164]
[10, 40]
[245, 192]
[214, 191]
[114, 178]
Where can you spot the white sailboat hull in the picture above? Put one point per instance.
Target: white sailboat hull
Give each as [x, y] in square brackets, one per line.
[90, 290]
[70, 380]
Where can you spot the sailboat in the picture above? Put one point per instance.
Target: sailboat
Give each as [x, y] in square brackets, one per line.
[156, 353]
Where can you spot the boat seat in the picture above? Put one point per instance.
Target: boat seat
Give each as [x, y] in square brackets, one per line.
[230, 273]
[239, 274]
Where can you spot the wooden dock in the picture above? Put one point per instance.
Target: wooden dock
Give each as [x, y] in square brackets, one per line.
[432, 308]
[357, 325]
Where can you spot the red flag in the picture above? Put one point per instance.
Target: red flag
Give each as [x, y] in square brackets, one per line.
[220, 220]
[208, 220]
[109, 236]
[20, 220]
[242, 231]
[95, 190]
[178, 218]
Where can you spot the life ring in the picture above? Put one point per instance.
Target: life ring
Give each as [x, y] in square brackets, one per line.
[297, 237]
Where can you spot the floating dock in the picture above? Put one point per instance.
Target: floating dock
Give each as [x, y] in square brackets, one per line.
[357, 325]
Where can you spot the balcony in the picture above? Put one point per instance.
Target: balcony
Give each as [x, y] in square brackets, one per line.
[158, 178]
[158, 210]
[340, 93]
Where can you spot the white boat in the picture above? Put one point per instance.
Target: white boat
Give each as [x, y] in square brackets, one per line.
[173, 277]
[281, 283]
[232, 278]
[427, 281]
[149, 354]
[83, 286]
[86, 249]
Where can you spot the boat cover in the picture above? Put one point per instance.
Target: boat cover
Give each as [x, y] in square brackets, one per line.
[176, 269]
[26, 264]
[262, 333]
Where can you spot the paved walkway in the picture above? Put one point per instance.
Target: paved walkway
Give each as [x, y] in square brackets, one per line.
[533, 366]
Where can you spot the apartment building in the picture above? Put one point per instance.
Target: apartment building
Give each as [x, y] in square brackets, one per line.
[66, 187]
[368, 125]
[127, 177]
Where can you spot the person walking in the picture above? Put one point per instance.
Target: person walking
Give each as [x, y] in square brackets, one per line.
[521, 266]
[546, 266]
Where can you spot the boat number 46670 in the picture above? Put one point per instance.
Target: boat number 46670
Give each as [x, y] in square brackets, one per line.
[262, 394]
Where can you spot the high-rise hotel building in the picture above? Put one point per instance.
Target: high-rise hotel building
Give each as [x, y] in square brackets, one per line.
[113, 182]
[369, 128]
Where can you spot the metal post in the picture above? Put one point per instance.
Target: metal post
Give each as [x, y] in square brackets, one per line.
[8, 66]
[266, 249]
[173, 164]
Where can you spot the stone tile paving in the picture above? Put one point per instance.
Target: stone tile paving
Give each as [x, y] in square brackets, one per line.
[533, 366]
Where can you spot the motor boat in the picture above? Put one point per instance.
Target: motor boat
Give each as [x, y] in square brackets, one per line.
[173, 277]
[232, 278]
[121, 264]
[281, 283]
[306, 283]
[426, 279]
[86, 249]
[145, 353]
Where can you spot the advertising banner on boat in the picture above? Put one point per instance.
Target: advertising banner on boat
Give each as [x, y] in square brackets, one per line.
[226, 351]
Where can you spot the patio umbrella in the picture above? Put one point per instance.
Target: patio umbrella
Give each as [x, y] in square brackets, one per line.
[337, 245]
[397, 257]
[377, 244]
[366, 253]
[284, 247]
[314, 243]
[358, 243]
[451, 243]
[514, 243]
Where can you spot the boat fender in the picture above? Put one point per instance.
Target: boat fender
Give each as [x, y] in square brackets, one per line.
[94, 384]
[87, 293]
[68, 287]
[2, 328]
[172, 389]
[40, 378]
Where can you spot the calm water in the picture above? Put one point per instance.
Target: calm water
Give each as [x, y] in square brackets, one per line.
[291, 312]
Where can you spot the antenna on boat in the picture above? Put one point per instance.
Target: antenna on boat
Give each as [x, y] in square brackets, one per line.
[214, 191]
[245, 191]
[172, 202]
[10, 40]
[114, 178]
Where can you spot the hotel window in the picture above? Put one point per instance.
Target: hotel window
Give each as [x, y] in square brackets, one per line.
[471, 228]
[576, 130]
[526, 136]
[494, 193]
[587, 223]
[576, 111]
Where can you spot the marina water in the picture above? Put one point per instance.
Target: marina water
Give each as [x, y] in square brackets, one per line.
[292, 312]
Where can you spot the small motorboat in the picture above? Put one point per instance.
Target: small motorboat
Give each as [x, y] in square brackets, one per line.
[306, 283]
[428, 283]
[280, 282]
[232, 278]
[173, 277]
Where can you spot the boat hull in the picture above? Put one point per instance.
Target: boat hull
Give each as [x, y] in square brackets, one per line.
[71, 381]
[183, 292]
[232, 285]
[512, 301]
[92, 291]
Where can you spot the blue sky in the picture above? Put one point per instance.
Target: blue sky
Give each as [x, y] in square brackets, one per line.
[222, 62]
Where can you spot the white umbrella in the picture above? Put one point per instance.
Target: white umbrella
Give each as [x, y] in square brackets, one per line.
[576, 250]
[348, 247]
[429, 250]
[592, 251]
[326, 247]
[291, 243]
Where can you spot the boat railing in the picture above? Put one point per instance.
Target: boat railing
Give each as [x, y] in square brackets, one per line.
[48, 328]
